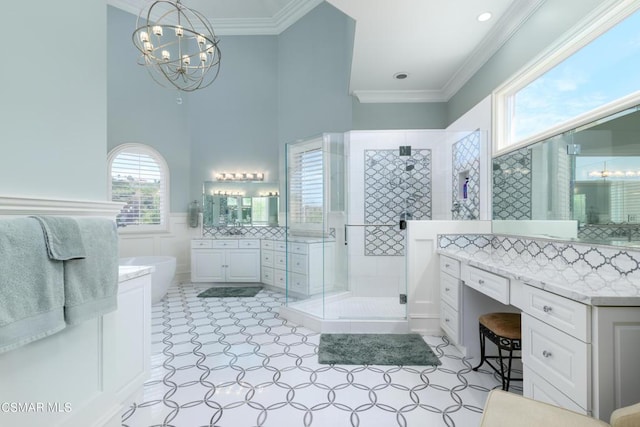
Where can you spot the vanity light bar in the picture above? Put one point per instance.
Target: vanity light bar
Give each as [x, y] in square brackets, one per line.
[240, 176]
[227, 193]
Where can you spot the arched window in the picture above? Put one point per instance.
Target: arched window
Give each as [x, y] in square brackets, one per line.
[139, 177]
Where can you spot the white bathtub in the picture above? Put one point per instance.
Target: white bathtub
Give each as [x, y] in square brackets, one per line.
[161, 278]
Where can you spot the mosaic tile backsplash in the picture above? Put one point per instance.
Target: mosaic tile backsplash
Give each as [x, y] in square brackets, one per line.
[601, 259]
[512, 185]
[466, 159]
[394, 186]
[245, 231]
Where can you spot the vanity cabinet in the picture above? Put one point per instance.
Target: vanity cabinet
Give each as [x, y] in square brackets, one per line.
[450, 298]
[309, 266]
[225, 260]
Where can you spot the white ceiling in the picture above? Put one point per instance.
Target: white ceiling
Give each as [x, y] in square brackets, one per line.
[439, 43]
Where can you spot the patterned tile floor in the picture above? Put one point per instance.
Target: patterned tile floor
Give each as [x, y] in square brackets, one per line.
[233, 362]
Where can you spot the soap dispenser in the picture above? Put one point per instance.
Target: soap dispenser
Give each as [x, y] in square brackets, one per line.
[465, 188]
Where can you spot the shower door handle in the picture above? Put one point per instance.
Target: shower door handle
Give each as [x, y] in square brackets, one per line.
[345, 234]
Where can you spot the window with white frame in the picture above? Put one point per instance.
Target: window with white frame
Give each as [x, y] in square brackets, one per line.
[139, 178]
[305, 185]
[586, 78]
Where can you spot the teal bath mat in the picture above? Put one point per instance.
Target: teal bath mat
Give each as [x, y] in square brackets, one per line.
[375, 349]
[231, 292]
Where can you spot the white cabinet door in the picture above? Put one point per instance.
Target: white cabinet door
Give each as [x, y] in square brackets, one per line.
[208, 265]
[243, 265]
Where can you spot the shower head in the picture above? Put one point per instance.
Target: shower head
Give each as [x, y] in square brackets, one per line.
[409, 167]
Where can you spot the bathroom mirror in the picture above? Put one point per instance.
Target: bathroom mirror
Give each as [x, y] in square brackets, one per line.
[583, 184]
[239, 203]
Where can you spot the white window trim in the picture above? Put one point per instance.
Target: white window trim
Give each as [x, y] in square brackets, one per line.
[605, 16]
[309, 229]
[164, 215]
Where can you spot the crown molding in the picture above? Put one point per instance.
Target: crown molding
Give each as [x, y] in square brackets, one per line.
[17, 206]
[275, 25]
[398, 96]
[515, 16]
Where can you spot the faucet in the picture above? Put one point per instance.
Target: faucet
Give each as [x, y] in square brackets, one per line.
[235, 230]
[468, 212]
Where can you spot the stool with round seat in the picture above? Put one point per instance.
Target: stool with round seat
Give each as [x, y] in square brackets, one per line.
[503, 329]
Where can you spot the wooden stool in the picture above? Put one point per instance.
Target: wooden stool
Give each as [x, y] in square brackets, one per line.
[503, 329]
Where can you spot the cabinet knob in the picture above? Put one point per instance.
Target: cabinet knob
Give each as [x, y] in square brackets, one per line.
[447, 289]
[480, 281]
[447, 265]
[446, 320]
[547, 309]
[546, 353]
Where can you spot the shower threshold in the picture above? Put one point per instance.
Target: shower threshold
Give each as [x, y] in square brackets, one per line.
[342, 313]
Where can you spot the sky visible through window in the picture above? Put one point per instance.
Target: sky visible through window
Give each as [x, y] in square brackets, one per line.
[606, 69]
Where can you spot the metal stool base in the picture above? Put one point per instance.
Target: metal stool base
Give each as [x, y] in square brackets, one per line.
[504, 344]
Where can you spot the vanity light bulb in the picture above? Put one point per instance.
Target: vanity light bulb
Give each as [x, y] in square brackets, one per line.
[144, 36]
[201, 40]
[179, 31]
[186, 59]
[157, 30]
[166, 55]
[148, 47]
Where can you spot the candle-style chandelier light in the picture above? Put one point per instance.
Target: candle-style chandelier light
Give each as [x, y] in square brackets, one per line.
[177, 46]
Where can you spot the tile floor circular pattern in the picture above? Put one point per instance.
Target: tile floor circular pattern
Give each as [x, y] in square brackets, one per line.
[232, 362]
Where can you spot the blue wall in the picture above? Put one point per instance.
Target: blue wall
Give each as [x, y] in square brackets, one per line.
[314, 63]
[233, 123]
[53, 103]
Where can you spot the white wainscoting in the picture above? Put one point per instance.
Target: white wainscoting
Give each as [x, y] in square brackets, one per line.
[423, 269]
[174, 242]
[72, 378]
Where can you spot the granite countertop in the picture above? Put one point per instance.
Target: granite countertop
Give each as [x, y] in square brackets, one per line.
[128, 272]
[599, 288]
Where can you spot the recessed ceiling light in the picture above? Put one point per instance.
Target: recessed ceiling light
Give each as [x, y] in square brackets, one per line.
[484, 16]
[400, 76]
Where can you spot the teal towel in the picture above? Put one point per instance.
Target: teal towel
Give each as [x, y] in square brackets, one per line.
[62, 236]
[31, 285]
[91, 284]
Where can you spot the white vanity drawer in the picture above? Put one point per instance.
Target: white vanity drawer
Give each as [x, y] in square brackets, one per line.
[298, 283]
[298, 248]
[492, 285]
[559, 358]
[266, 258]
[280, 260]
[298, 263]
[280, 278]
[449, 322]
[537, 388]
[224, 243]
[267, 244]
[450, 290]
[567, 315]
[280, 245]
[249, 243]
[201, 244]
[267, 275]
[450, 265]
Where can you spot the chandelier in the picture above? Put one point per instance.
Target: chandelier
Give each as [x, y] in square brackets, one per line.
[177, 46]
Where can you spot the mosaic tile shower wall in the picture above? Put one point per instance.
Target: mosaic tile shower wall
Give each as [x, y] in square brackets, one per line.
[512, 185]
[466, 161]
[394, 186]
